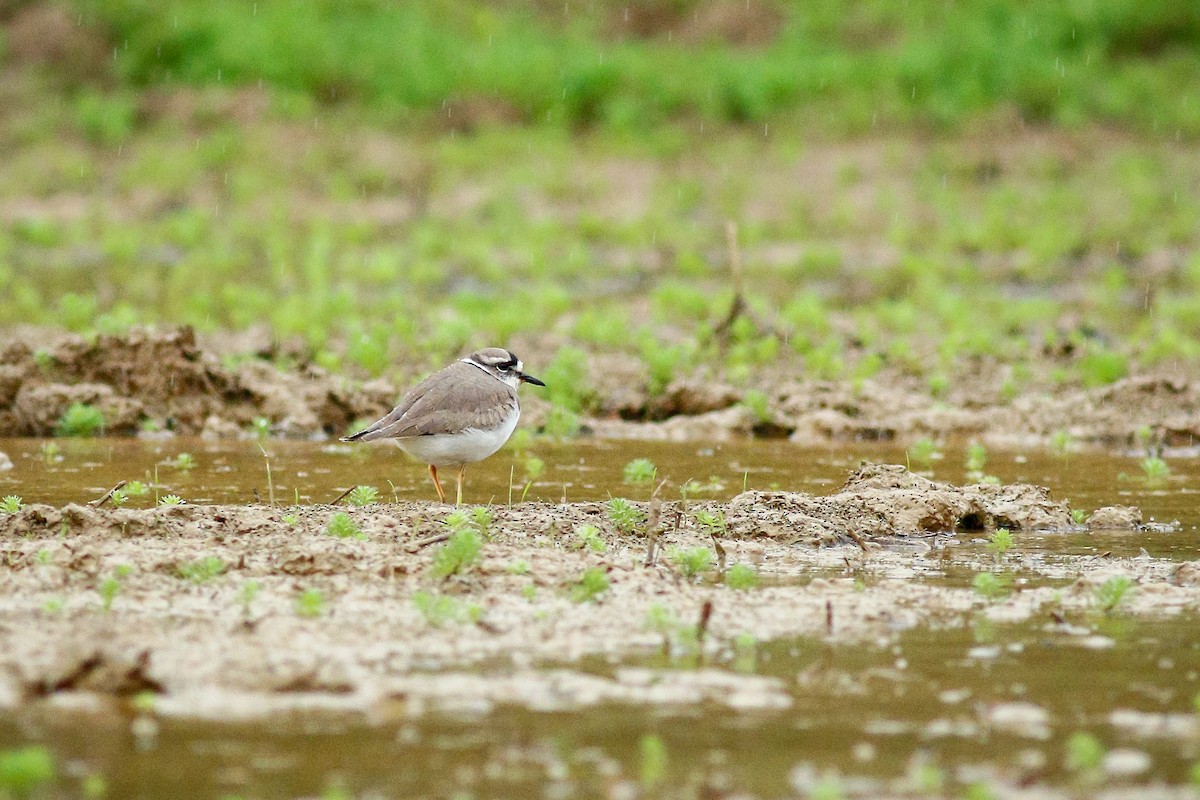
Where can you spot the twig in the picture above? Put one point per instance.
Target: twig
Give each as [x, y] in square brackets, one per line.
[705, 615]
[422, 543]
[107, 496]
[342, 496]
[720, 553]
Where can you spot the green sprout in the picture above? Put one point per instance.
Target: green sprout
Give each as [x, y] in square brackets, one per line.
[1114, 590]
[342, 526]
[640, 471]
[458, 553]
[119, 497]
[592, 583]
[1078, 515]
[363, 495]
[247, 594]
[1155, 470]
[438, 609]
[80, 419]
[260, 427]
[713, 524]
[10, 504]
[136, 489]
[202, 570]
[654, 760]
[183, 461]
[1085, 753]
[23, 772]
[691, 561]
[110, 587]
[990, 585]
[976, 457]
[1000, 542]
[923, 451]
[310, 603]
[741, 577]
[171, 500]
[50, 452]
[588, 538]
[624, 515]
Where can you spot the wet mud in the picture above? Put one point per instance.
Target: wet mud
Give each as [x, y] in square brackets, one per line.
[256, 610]
[168, 379]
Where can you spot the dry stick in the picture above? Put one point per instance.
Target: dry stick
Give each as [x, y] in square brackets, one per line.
[421, 543]
[720, 553]
[107, 496]
[342, 496]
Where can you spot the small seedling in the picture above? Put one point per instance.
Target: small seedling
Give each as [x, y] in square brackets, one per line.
[529, 592]
[976, 457]
[10, 504]
[1000, 542]
[43, 557]
[1078, 515]
[1155, 470]
[481, 520]
[363, 496]
[829, 787]
[26, 771]
[291, 519]
[458, 554]
[1110, 593]
[119, 497]
[110, 587]
[691, 561]
[520, 567]
[80, 419]
[438, 609]
[202, 570]
[654, 760]
[990, 585]
[183, 461]
[53, 606]
[342, 526]
[310, 603]
[590, 585]
[639, 471]
[745, 652]
[1062, 442]
[758, 404]
[50, 452]
[713, 524]
[588, 538]
[246, 596]
[170, 500]
[923, 451]
[136, 489]
[1085, 753]
[624, 515]
[260, 427]
[741, 577]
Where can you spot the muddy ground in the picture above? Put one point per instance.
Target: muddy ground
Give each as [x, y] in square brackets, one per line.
[171, 380]
[110, 601]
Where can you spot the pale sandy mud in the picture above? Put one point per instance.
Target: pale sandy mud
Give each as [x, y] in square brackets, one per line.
[866, 562]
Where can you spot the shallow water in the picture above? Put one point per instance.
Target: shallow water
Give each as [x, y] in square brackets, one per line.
[968, 701]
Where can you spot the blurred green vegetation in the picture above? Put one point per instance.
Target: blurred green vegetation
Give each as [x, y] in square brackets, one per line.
[916, 186]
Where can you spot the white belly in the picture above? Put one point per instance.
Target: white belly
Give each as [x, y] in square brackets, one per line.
[459, 448]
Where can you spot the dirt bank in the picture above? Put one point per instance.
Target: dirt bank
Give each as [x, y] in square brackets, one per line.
[260, 609]
[167, 380]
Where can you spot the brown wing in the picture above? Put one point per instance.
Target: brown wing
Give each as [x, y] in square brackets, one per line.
[454, 398]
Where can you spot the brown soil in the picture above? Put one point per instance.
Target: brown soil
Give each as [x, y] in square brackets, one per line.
[209, 651]
[171, 379]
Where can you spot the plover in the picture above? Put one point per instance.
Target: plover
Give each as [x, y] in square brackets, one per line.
[458, 415]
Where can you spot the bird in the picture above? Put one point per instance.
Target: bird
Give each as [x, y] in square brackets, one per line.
[460, 414]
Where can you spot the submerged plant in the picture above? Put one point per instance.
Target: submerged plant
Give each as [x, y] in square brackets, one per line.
[80, 419]
[592, 583]
[10, 504]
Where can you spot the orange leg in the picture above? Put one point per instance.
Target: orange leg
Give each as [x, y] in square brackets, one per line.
[437, 483]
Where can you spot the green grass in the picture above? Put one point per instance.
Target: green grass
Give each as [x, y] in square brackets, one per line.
[1110, 594]
[363, 496]
[201, 570]
[741, 577]
[590, 584]
[624, 515]
[639, 471]
[460, 552]
[310, 603]
[26, 771]
[80, 419]
[342, 526]
[11, 504]
[691, 561]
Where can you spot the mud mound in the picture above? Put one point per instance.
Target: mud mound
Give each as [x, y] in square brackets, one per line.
[879, 502]
[165, 379]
